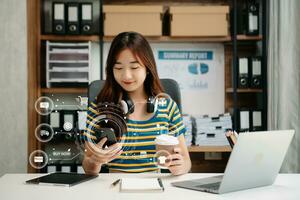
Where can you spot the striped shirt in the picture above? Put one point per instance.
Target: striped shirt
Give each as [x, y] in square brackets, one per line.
[138, 142]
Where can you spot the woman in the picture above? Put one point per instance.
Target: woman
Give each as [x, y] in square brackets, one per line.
[131, 71]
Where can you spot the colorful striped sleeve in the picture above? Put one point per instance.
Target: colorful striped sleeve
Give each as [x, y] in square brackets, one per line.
[92, 113]
[176, 126]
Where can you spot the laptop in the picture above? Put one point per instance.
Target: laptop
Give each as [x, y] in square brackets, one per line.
[61, 179]
[254, 162]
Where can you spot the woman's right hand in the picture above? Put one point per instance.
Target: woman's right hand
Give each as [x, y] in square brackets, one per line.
[95, 155]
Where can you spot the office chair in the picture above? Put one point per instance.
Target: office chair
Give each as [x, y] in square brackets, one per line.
[170, 86]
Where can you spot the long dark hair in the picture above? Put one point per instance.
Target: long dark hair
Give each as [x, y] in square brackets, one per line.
[138, 45]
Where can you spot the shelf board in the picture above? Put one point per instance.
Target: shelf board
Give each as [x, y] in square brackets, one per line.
[179, 39]
[64, 90]
[249, 38]
[244, 90]
[194, 148]
[71, 37]
[194, 38]
[152, 38]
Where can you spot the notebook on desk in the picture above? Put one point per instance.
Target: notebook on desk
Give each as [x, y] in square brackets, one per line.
[141, 185]
[254, 162]
[61, 179]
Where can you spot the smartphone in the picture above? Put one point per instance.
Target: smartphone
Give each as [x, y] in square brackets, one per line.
[109, 133]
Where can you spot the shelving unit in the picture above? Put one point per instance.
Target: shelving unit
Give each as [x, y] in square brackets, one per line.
[238, 94]
[64, 90]
[234, 97]
[94, 38]
[246, 90]
[196, 149]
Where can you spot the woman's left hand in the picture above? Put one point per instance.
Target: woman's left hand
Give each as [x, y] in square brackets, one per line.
[176, 166]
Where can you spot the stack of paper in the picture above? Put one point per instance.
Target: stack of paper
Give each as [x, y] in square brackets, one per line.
[187, 121]
[141, 185]
[211, 130]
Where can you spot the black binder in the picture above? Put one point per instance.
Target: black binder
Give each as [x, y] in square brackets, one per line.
[252, 18]
[69, 120]
[244, 119]
[58, 21]
[73, 18]
[54, 120]
[86, 18]
[256, 120]
[256, 68]
[243, 73]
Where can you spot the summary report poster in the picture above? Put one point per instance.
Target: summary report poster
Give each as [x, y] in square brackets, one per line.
[199, 70]
[197, 67]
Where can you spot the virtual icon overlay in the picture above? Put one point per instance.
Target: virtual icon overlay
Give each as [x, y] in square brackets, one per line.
[38, 159]
[65, 132]
[62, 120]
[44, 132]
[44, 105]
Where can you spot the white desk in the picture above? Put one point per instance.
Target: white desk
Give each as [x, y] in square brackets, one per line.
[13, 187]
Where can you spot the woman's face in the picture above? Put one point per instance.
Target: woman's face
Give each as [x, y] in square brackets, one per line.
[129, 72]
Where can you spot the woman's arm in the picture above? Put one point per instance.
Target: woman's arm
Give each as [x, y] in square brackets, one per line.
[95, 155]
[180, 161]
[89, 165]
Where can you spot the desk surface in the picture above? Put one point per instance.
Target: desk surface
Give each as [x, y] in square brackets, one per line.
[12, 186]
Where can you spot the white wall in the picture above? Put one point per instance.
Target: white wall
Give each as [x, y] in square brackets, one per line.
[13, 87]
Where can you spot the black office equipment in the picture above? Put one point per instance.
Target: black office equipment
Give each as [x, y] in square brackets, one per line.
[255, 65]
[252, 18]
[86, 18]
[81, 119]
[73, 18]
[256, 120]
[61, 179]
[244, 119]
[243, 73]
[88, 11]
[54, 120]
[69, 120]
[58, 10]
[63, 121]
[241, 20]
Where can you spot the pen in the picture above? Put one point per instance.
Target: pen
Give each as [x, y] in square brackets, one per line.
[115, 182]
[160, 183]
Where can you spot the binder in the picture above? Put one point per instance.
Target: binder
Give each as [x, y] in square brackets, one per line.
[252, 18]
[241, 19]
[55, 120]
[243, 73]
[256, 78]
[66, 169]
[244, 120]
[51, 168]
[256, 122]
[82, 116]
[58, 21]
[69, 121]
[86, 18]
[80, 170]
[73, 18]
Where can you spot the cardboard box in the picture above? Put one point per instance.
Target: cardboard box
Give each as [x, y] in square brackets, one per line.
[146, 20]
[199, 20]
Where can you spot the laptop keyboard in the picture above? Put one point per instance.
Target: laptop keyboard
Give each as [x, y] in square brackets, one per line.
[210, 186]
